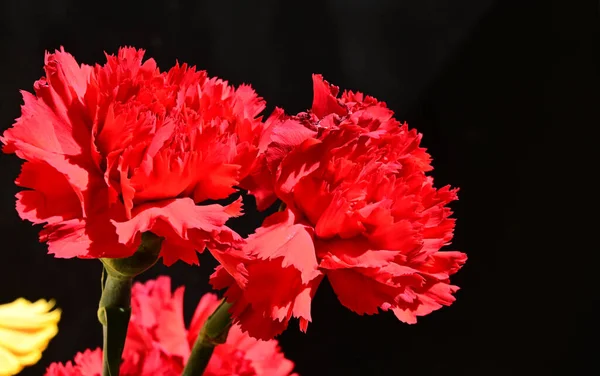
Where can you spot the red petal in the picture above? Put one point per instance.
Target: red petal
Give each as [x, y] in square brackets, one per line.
[241, 354]
[233, 261]
[337, 219]
[87, 363]
[280, 237]
[90, 238]
[218, 182]
[264, 315]
[85, 180]
[187, 228]
[373, 294]
[399, 236]
[312, 197]
[284, 131]
[55, 121]
[253, 320]
[51, 199]
[302, 303]
[174, 248]
[280, 136]
[442, 265]
[58, 369]
[159, 312]
[352, 253]
[432, 299]
[325, 101]
[298, 163]
[259, 183]
[181, 215]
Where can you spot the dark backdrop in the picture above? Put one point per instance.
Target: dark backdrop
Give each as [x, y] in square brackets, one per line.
[506, 94]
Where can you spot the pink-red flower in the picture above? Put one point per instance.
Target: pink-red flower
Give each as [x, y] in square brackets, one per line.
[158, 342]
[358, 207]
[118, 149]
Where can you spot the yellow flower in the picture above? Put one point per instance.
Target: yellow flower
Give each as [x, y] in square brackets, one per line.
[25, 330]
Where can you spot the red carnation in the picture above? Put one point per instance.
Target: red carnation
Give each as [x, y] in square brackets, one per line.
[115, 150]
[359, 209]
[159, 344]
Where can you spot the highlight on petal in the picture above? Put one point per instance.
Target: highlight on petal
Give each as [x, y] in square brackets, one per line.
[26, 329]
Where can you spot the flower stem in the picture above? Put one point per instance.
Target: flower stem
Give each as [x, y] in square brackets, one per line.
[114, 313]
[213, 333]
[114, 309]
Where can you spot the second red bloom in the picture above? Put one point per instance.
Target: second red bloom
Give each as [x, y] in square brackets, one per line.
[359, 209]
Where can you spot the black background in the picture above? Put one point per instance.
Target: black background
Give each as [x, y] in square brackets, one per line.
[506, 95]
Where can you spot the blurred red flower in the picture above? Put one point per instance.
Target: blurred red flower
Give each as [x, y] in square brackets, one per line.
[358, 208]
[122, 148]
[159, 344]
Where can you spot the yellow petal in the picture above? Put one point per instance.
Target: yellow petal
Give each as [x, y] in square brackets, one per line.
[29, 316]
[20, 342]
[21, 304]
[9, 364]
[41, 305]
[30, 358]
[25, 330]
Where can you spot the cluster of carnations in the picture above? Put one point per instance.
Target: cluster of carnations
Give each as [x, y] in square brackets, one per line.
[116, 151]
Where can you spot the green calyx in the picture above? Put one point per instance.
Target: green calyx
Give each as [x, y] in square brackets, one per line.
[143, 259]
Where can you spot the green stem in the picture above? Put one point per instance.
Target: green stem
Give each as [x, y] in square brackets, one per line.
[114, 314]
[213, 333]
[114, 309]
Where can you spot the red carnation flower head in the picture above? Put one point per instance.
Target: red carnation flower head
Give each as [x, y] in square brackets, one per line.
[158, 342]
[122, 148]
[358, 208]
